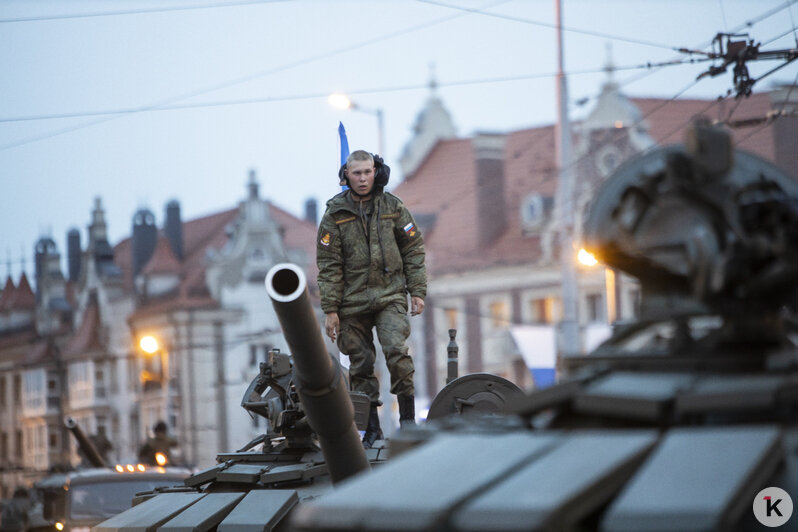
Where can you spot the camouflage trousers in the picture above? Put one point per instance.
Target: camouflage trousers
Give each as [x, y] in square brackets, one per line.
[356, 340]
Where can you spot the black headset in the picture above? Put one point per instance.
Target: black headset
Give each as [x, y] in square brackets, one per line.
[382, 172]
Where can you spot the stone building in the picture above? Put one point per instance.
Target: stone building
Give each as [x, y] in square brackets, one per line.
[485, 204]
[71, 347]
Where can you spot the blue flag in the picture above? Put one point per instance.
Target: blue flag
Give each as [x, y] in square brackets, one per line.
[344, 144]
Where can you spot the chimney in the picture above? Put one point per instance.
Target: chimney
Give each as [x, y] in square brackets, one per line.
[145, 236]
[45, 253]
[73, 254]
[174, 228]
[489, 159]
[99, 249]
[98, 231]
[784, 129]
[311, 211]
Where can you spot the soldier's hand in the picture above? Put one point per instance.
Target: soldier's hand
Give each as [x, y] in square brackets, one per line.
[332, 325]
[416, 306]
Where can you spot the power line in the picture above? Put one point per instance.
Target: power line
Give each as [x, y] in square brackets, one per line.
[770, 119]
[550, 25]
[251, 77]
[747, 24]
[377, 90]
[138, 11]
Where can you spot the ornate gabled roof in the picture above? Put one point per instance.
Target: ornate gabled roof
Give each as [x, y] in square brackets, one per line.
[163, 259]
[8, 292]
[445, 183]
[87, 336]
[23, 297]
[433, 124]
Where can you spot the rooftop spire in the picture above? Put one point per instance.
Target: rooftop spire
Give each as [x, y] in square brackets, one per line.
[609, 66]
[252, 185]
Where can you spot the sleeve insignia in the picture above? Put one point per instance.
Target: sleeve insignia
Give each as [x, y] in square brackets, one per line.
[325, 240]
[410, 229]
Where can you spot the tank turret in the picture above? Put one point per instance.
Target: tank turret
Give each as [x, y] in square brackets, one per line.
[685, 419]
[318, 378]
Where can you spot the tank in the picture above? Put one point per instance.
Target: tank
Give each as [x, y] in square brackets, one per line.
[81, 498]
[86, 447]
[685, 419]
[312, 443]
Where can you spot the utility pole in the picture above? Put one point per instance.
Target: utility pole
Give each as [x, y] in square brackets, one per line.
[569, 326]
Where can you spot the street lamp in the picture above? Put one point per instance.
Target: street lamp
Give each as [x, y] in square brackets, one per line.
[342, 101]
[151, 346]
[611, 287]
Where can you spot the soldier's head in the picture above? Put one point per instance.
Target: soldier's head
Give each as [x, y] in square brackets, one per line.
[159, 428]
[360, 166]
[359, 173]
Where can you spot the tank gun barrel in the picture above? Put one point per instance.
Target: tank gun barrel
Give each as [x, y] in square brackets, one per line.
[319, 381]
[84, 443]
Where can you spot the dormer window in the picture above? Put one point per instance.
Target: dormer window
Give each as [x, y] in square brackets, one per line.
[608, 159]
[532, 213]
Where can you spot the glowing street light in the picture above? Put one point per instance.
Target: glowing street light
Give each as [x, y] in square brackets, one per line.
[342, 101]
[149, 344]
[585, 257]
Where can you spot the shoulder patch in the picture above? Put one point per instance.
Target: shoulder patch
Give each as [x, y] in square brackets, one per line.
[410, 229]
[344, 220]
[325, 240]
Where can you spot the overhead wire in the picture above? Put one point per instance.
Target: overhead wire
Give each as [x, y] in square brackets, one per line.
[141, 11]
[549, 25]
[169, 103]
[769, 120]
[373, 90]
[238, 81]
[747, 24]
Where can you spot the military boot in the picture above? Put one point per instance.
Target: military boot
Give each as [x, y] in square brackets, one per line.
[373, 430]
[407, 410]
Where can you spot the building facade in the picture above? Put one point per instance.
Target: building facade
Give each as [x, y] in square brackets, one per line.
[486, 206]
[71, 347]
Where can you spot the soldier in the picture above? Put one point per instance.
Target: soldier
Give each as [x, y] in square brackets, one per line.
[370, 255]
[161, 443]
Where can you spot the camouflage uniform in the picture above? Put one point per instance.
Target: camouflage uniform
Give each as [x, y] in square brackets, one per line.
[368, 262]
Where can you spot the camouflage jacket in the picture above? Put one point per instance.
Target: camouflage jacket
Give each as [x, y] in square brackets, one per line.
[367, 266]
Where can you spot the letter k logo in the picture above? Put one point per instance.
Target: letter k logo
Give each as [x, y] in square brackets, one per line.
[772, 506]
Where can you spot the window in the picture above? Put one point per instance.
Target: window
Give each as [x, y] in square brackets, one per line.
[595, 307]
[539, 311]
[54, 440]
[36, 446]
[17, 389]
[545, 310]
[80, 384]
[53, 390]
[2, 390]
[99, 383]
[634, 297]
[34, 394]
[499, 315]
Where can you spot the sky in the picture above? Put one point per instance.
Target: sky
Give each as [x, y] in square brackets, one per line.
[141, 102]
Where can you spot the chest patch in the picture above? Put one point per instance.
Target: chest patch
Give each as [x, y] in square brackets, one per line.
[410, 229]
[325, 240]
